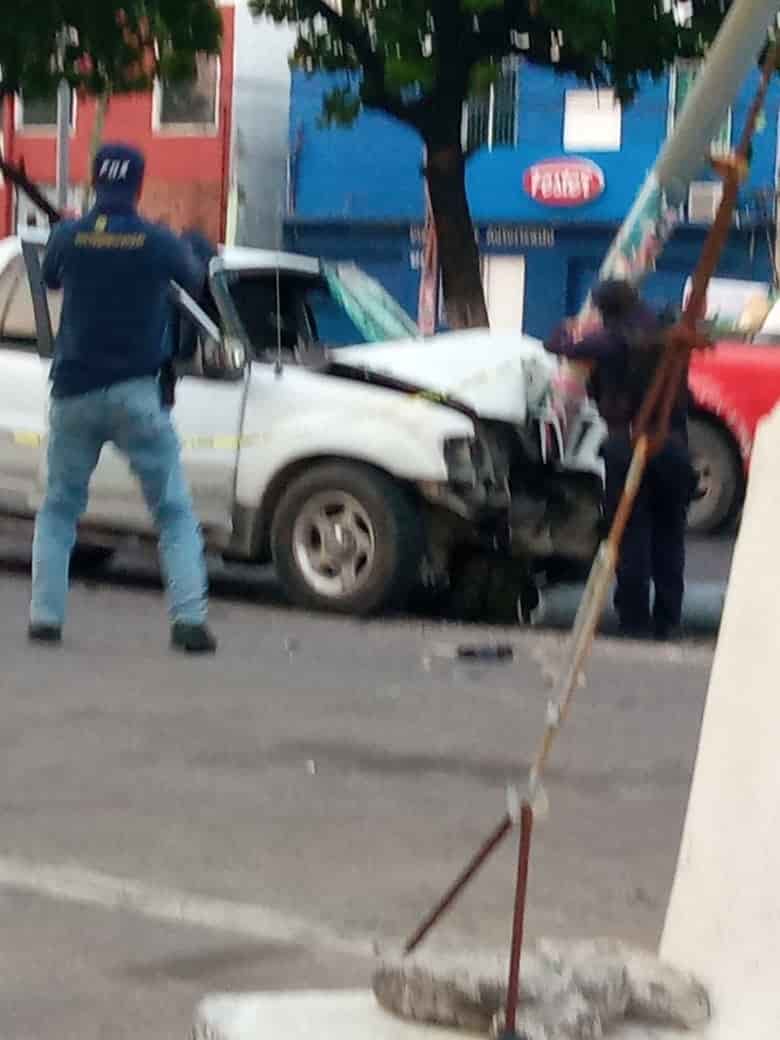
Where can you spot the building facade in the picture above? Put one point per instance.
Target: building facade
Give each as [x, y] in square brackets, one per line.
[186, 132]
[554, 168]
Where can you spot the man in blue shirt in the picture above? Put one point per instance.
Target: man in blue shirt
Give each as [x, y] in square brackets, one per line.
[653, 550]
[115, 270]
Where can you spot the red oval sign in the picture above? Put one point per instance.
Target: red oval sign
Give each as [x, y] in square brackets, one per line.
[564, 182]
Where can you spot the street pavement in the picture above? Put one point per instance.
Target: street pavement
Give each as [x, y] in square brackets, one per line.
[259, 820]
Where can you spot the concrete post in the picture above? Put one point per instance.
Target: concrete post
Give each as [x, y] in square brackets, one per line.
[652, 219]
[723, 921]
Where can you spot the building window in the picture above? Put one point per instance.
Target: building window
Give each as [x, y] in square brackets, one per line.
[490, 119]
[592, 121]
[704, 199]
[682, 78]
[503, 279]
[40, 113]
[192, 105]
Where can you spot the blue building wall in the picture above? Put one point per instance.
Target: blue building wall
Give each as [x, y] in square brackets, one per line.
[359, 195]
[369, 171]
[557, 278]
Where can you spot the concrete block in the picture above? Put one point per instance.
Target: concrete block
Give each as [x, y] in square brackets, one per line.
[723, 921]
[306, 1015]
[340, 1015]
[625, 982]
[569, 991]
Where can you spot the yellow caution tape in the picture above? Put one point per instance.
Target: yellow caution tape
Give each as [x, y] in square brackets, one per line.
[221, 442]
[26, 440]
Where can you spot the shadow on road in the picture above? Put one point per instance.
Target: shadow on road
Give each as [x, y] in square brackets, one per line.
[709, 560]
[139, 569]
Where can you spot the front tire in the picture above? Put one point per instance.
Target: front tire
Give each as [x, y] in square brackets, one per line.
[346, 538]
[720, 478]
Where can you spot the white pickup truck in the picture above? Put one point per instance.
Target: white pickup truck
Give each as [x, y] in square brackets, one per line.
[322, 432]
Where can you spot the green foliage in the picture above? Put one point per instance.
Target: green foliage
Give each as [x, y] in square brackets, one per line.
[113, 46]
[418, 59]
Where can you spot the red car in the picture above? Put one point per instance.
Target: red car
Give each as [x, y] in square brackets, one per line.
[732, 388]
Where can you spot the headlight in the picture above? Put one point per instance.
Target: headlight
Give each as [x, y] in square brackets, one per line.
[459, 455]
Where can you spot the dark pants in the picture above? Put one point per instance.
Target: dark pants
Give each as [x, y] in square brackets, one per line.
[653, 549]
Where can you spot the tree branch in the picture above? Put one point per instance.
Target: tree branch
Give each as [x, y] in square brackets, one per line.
[497, 39]
[359, 40]
[498, 26]
[372, 63]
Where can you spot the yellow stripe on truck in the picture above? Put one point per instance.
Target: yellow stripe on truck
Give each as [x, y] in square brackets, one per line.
[220, 442]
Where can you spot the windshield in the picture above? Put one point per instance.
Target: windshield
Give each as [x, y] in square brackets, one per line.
[291, 312]
[368, 305]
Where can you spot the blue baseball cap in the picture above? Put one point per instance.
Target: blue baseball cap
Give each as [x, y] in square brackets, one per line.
[118, 173]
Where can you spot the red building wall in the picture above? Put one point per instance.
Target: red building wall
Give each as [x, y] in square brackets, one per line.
[187, 175]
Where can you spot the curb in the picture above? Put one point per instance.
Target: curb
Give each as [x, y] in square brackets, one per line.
[702, 609]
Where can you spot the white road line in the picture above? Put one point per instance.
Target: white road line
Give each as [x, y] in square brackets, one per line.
[73, 883]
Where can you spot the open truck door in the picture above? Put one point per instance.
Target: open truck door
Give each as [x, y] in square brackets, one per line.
[26, 339]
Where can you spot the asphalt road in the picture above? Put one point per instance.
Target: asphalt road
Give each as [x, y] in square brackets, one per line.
[171, 827]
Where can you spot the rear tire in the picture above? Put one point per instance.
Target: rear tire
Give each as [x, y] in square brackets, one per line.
[348, 539]
[720, 477]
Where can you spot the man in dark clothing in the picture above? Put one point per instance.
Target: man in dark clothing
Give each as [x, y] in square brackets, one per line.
[623, 353]
[115, 271]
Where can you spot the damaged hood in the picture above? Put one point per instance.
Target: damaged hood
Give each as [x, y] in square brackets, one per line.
[503, 376]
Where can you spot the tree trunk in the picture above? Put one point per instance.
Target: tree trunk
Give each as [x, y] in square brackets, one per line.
[458, 251]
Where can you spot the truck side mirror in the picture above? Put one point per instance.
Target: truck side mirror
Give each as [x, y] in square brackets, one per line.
[219, 357]
[222, 358]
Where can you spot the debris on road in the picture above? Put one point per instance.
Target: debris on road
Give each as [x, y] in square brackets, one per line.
[486, 652]
[467, 653]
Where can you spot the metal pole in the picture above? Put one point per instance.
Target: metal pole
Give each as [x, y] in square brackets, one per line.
[518, 922]
[732, 55]
[654, 215]
[485, 852]
[8, 129]
[63, 130]
[63, 144]
[739, 43]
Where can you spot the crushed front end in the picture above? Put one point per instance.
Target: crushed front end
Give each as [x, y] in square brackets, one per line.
[529, 493]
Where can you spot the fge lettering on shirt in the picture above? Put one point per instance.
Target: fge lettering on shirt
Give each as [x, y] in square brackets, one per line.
[110, 240]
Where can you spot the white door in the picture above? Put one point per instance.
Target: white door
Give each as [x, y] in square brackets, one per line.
[504, 280]
[23, 388]
[207, 416]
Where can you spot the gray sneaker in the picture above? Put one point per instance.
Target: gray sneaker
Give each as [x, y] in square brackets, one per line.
[193, 639]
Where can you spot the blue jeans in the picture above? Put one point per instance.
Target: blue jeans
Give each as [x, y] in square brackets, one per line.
[130, 416]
